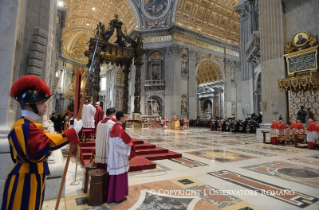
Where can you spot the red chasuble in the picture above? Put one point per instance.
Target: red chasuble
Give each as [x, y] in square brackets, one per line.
[118, 131]
[293, 125]
[99, 114]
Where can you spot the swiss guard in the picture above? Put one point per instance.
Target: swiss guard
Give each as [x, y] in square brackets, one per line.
[30, 146]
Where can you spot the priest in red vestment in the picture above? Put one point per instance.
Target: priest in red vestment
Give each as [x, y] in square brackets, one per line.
[99, 114]
[292, 126]
[300, 127]
[311, 133]
[282, 128]
[274, 131]
[121, 150]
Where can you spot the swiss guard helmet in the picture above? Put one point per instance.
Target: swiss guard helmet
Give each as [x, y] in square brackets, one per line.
[29, 90]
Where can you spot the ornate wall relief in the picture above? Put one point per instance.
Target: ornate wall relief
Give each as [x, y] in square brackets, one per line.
[184, 104]
[309, 99]
[184, 61]
[155, 70]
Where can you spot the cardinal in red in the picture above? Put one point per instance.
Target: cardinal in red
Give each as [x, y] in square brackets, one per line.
[121, 150]
[300, 127]
[282, 128]
[274, 131]
[292, 126]
[311, 133]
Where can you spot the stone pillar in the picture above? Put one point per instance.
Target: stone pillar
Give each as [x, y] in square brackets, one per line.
[192, 85]
[272, 60]
[126, 71]
[245, 11]
[173, 81]
[10, 17]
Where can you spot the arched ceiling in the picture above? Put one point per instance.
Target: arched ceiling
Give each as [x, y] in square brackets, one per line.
[81, 19]
[208, 72]
[216, 18]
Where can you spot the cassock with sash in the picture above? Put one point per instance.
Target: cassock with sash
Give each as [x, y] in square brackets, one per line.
[30, 147]
[103, 130]
[121, 150]
[99, 114]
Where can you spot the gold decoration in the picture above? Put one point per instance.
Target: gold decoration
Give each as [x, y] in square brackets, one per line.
[295, 55]
[156, 55]
[209, 71]
[81, 20]
[71, 91]
[299, 83]
[300, 41]
[215, 18]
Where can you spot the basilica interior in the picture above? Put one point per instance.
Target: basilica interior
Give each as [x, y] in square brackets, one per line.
[200, 82]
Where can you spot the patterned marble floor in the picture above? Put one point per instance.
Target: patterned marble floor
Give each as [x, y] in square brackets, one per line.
[217, 171]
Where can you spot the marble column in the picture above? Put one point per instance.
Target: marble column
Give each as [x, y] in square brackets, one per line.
[173, 81]
[272, 60]
[192, 85]
[246, 30]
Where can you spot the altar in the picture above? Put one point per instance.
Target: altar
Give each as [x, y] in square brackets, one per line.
[176, 125]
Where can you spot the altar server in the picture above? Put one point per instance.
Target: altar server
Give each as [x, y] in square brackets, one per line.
[122, 149]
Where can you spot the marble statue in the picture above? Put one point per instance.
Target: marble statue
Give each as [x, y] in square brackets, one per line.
[184, 107]
[301, 115]
[184, 63]
[155, 108]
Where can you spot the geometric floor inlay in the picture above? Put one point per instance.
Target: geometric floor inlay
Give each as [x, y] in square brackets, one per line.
[278, 149]
[305, 161]
[295, 173]
[289, 196]
[220, 155]
[155, 201]
[255, 152]
[188, 162]
[314, 156]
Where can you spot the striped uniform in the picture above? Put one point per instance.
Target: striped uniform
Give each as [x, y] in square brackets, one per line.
[30, 146]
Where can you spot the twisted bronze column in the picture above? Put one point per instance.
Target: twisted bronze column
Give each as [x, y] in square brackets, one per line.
[137, 94]
[126, 71]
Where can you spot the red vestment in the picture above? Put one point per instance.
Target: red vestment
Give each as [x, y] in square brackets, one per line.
[274, 132]
[99, 114]
[293, 125]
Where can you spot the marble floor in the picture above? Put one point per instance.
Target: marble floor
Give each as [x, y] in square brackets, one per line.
[217, 171]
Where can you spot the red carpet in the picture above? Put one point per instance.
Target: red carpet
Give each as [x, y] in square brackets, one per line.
[145, 152]
[156, 124]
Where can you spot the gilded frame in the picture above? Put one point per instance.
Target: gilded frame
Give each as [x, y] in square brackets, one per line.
[298, 53]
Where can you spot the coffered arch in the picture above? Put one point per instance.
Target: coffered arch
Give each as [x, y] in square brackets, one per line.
[82, 16]
[216, 18]
[208, 72]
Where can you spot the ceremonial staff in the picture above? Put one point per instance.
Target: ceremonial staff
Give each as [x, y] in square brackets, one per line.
[78, 118]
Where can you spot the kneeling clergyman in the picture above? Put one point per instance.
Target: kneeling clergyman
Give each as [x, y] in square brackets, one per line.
[30, 146]
[122, 149]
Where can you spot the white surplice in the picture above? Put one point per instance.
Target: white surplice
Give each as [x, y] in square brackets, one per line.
[102, 144]
[88, 113]
[118, 156]
[274, 132]
[311, 136]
